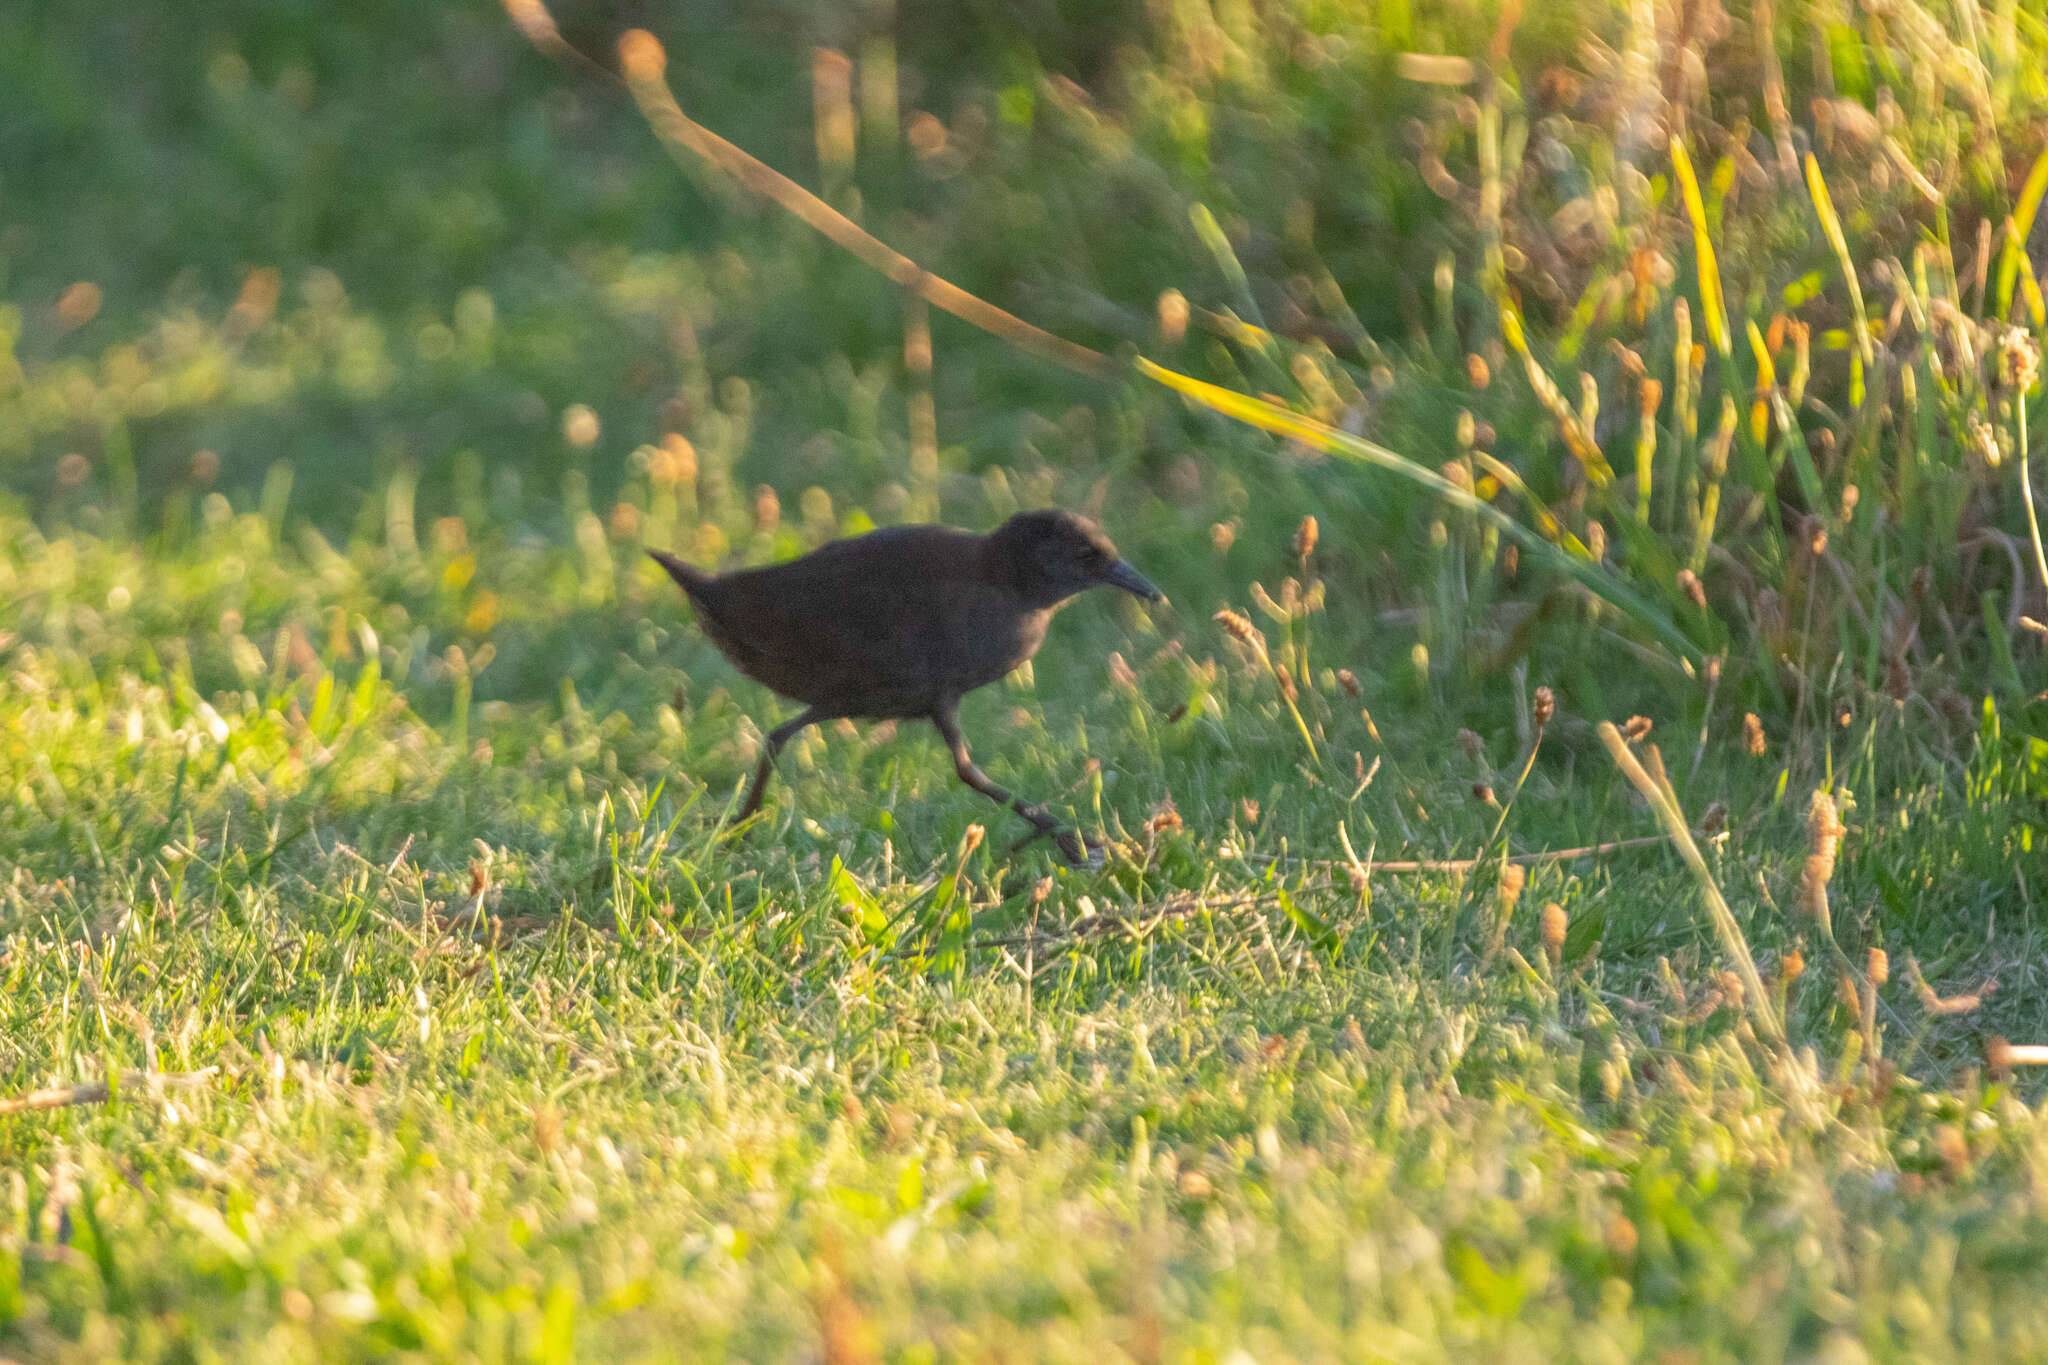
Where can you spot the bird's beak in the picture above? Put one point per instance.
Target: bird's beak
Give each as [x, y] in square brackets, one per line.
[1122, 575]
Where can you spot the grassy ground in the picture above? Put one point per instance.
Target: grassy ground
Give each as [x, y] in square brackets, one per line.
[362, 778]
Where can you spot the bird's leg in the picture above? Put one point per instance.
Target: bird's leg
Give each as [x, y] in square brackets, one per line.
[777, 737]
[1071, 845]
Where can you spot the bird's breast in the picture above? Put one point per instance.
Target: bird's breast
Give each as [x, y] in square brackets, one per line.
[991, 645]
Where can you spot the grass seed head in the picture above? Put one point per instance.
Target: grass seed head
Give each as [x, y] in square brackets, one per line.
[1731, 989]
[1545, 707]
[1824, 827]
[1689, 584]
[1637, 729]
[1305, 538]
[767, 511]
[1554, 925]
[1173, 317]
[1953, 1149]
[1238, 627]
[2019, 360]
[1753, 735]
[1985, 441]
[1348, 680]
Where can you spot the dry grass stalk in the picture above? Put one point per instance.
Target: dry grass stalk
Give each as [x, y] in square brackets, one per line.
[1665, 804]
[98, 1092]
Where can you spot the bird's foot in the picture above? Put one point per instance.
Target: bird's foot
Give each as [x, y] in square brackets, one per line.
[1078, 849]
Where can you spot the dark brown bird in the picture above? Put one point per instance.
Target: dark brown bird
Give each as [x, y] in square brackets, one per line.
[902, 623]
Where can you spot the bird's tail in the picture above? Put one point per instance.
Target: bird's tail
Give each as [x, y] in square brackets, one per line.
[688, 576]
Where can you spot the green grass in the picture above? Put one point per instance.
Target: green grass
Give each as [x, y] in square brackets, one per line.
[365, 765]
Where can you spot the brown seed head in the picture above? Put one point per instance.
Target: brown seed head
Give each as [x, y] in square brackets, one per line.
[1637, 729]
[1824, 827]
[1483, 793]
[1510, 561]
[1477, 371]
[1223, 535]
[1236, 626]
[1689, 584]
[767, 511]
[1792, 965]
[580, 427]
[1879, 969]
[1513, 878]
[1714, 819]
[1545, 706]
[1286, 681]
[1596, 541]
[1173, 317]
[1816, 537]
[1753, 735]
[971, 839]
[1985, 439]
[1953, 1149]
[1851, 496]
[676, 460]
[2019, 360]
[1650, 394]
[1555, 925]
[1348, 680]
[1305, 538]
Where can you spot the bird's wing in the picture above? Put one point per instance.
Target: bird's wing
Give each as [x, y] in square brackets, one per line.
[861, 626]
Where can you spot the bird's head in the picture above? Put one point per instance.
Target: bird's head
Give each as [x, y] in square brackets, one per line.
[1051, 555]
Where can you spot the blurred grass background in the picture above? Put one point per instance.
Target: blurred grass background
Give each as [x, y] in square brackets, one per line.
[352, 355]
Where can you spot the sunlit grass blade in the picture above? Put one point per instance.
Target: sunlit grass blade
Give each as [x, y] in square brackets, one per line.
[1575, 564]
[2012, 261]
[1703, 249]
[1831, 227]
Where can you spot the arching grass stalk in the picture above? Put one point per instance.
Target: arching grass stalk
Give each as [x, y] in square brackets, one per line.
[2027, 487]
